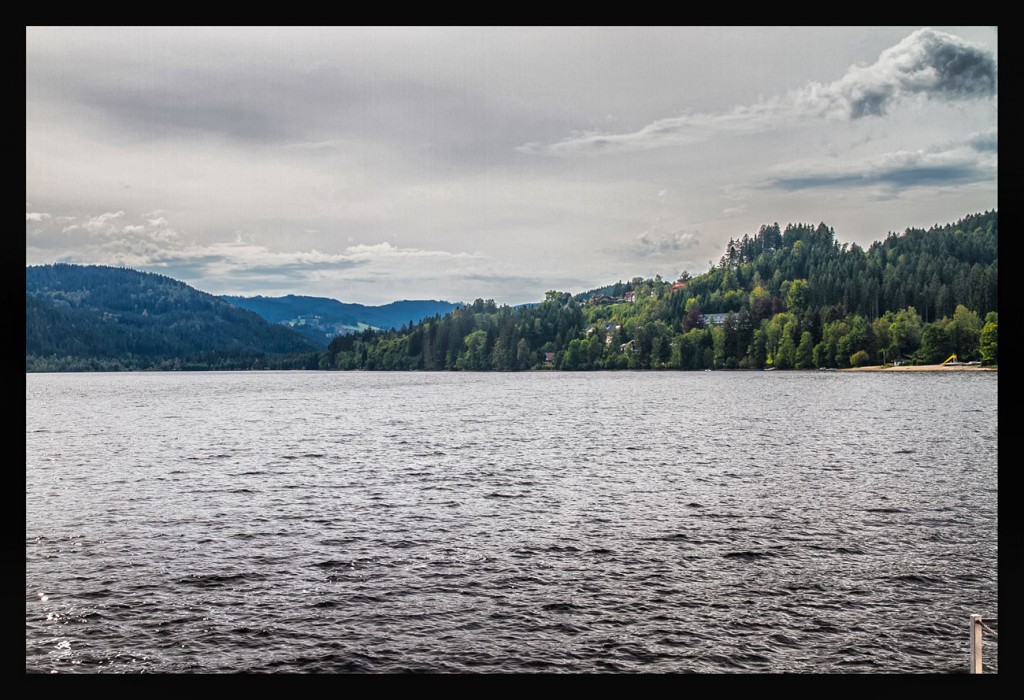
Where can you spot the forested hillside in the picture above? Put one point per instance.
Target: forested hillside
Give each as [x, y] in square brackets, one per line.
[106, 318]
[778, 298]
[781, 298]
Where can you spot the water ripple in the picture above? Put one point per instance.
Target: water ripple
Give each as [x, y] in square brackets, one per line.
[534, 522]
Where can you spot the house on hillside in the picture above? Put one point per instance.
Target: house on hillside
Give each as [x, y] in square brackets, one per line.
[609, 332]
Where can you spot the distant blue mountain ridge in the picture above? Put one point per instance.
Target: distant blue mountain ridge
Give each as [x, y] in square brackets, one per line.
[320, 319]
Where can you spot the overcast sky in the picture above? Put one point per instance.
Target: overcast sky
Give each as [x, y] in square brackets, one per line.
[377, 164]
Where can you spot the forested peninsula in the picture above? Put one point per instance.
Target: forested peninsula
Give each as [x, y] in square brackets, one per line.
[782, 298]
[792, 298]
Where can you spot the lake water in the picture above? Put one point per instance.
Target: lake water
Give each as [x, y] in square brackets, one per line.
[662, 522]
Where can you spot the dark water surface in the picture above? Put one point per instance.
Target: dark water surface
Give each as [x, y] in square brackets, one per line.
[707, 522]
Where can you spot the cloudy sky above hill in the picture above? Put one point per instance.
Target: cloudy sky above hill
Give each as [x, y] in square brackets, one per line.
[376, 164]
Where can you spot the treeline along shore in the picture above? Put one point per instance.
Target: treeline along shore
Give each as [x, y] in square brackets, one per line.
[782, 298]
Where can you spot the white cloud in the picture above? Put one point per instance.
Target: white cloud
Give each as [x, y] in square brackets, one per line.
[111, 226]
[104, 224]
[677, 131]
[36, 216]
[155, 244]
[386, 250]
[241, 267]
[655, 243]
[927, 63]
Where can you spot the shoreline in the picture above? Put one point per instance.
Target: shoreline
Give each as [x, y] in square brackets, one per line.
[922, 368]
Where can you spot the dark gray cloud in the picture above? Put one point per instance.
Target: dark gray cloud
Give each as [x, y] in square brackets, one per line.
[928, 63]
[957, 164]
[140, 92]
[166, 113]
[942, 175]
[901, 178]
[249, 103]
[987, 142]
[961, 69]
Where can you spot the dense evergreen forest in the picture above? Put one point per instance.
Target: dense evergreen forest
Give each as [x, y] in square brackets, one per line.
[95, 318]
[781, 298]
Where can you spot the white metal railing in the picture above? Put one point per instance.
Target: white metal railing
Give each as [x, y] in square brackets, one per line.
[978, 625]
